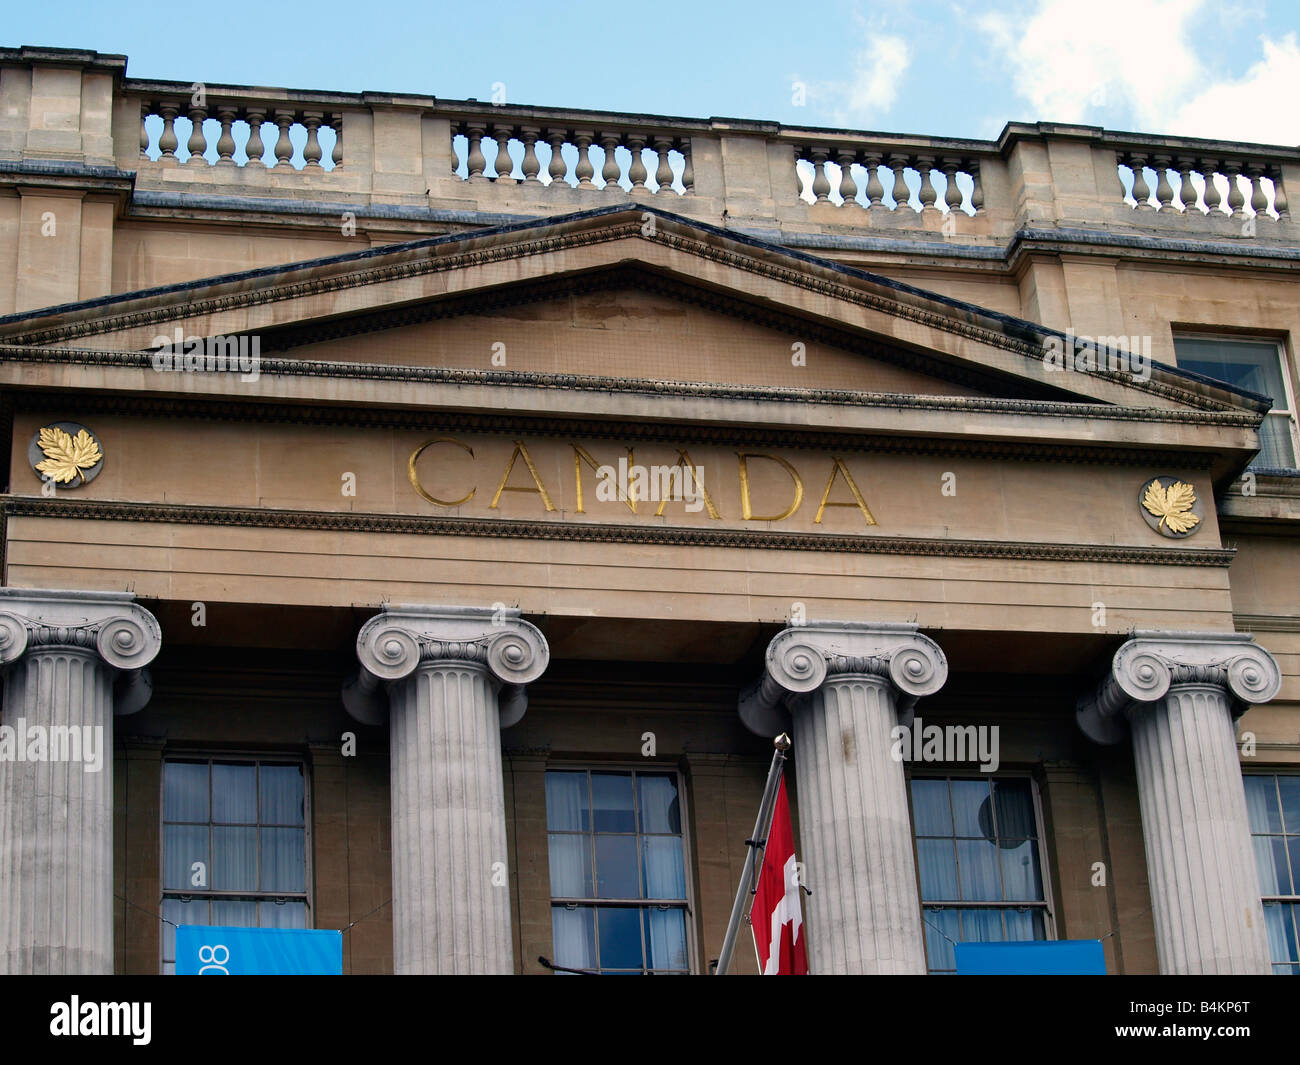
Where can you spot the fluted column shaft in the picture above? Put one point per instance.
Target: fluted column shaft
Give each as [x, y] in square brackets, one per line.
[863, 914]
[63, 653]
[454, 678]
[1178, 693]
[848, 685]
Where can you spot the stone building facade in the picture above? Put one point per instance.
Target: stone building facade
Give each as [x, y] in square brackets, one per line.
[322, 516]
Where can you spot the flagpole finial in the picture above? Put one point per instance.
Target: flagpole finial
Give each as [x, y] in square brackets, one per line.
[782, 742]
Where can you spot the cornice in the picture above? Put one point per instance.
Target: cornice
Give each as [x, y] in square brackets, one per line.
[592, 532]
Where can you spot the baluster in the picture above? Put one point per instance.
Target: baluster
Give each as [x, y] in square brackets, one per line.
[530, 165]
[1164, 190]
[505, 166]
[1210, 167]
[311, 151]
[167, 143]
[1236, 201]
[585, 170]
[145, 110]
[636, 172]
[688, 168]
[283, 145]
[255, 149]
[226, 142]
[977, 185]
[609, 171]
[902, 194]
[1258, 198]
[475, 163]
[1274, 175]
[821, 186]
[846, 157]
[557, 167]
[336, 156]
[198, 143]
[875, 190]
[664, 171]
[1141, 190]
[951, 194]
[1187, 195]
[928, 196]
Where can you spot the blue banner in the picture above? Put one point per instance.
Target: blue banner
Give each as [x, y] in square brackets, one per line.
[1062, 957]
[203, 950]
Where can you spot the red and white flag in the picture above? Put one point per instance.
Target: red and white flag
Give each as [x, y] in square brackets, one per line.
[776, 917]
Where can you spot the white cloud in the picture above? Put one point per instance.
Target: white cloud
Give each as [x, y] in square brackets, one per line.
[872, 86]
[1253, 108]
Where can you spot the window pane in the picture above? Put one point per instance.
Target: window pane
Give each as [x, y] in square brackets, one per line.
[282, 794]
[940, 927]
[938, 863]
[665, 869]
[930, 808]
[574, 936]
[660, 811]
[566, 803]
[185, 791]
[234, 859]
[1261, 802]
[1014, 808]
[292, 913]
[1279, 920]
[1289, 788]
[977, 864]
[284, 859]
[234, 794]
[183, 845]
[616, 871]
[981, 926]
[620, 937]
[570, 858]
[611, 798]
[1270, 859]
[969, 800]
[234, 913]
[1275, 448]
[1024, 925]
[665, 938]
[1020, 874]
[178, 911]
[1250, 364]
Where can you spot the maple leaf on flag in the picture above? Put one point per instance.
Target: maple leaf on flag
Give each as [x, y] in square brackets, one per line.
[65, 456]
[1172, 506]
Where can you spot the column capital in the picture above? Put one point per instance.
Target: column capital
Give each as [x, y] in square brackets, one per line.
[400, 639]
[111, 625]
[801, 658]
[1145, 668]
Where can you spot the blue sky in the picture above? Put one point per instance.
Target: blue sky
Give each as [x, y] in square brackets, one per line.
[1190, 67]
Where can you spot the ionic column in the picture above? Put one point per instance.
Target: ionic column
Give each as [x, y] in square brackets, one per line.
[71, 660]
[1178, 694]
[454, 678]
[848, 685]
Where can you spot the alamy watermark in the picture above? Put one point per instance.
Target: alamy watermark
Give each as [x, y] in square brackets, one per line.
[946, 743]
[22, 742]
[1085, 354]
[215, 354]
[635, 483]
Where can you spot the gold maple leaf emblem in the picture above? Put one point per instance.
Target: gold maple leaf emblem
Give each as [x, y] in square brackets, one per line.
[67, 456]
[1172, 506]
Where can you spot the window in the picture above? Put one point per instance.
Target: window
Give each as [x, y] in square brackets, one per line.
[618, 871]
[981, 873]
[234, 846]
[1257, 365]
[1273, 801]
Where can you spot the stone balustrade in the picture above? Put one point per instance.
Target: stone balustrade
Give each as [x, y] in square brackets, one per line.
[596, 159]
[1235, 186]
[875, 177]
[233, 132]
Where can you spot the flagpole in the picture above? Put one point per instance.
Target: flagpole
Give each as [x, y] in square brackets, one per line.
[761, 826]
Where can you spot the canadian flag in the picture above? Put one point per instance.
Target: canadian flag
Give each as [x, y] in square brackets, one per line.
[776, 918]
